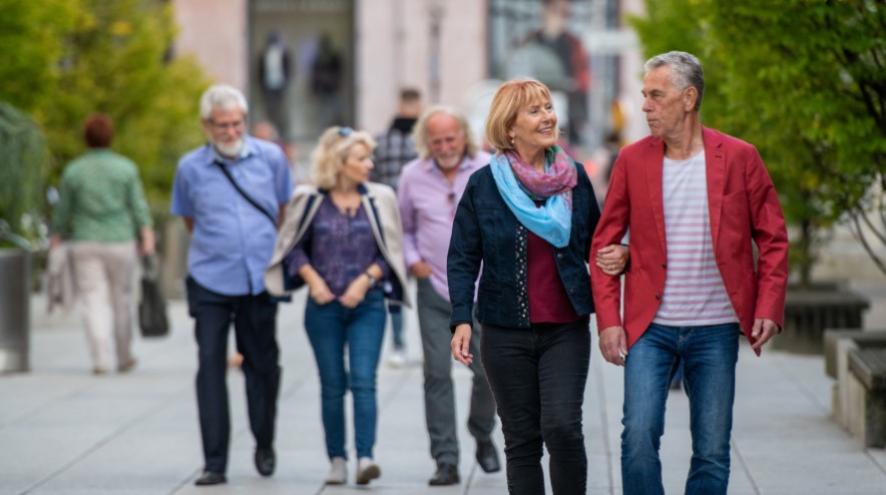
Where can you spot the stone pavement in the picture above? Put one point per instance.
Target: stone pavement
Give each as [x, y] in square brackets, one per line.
[63, 430]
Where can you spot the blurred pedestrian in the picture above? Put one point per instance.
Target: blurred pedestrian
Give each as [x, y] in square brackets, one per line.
[266, 131]
[326, 79]
[395, 148]
[430, 189]
[558, 58]
[231, 193]
[101, 211]
[528, 218]
[695, 201]
[343, 240]
[275, 76]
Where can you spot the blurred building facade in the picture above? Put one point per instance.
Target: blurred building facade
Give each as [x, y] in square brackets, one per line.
[345, 60]
[454, 51]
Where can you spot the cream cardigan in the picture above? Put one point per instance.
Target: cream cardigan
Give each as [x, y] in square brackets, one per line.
[379, 202]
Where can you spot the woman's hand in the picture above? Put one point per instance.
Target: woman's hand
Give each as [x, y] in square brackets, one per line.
[320, 292]
[355, 292]
[612, 259]
[55, 241]
[317, 287]
[147, 242]
[461, 344]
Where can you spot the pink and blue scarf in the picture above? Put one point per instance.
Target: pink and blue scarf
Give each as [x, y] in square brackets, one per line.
[521, 186]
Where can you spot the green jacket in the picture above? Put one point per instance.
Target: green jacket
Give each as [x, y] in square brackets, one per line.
[100, 199]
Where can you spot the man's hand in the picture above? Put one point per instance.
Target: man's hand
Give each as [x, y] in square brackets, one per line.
[355, 292]
[461, 344]
[420, 270]
[320, 292]
[613, 345]
[761, 333]
[612, 259]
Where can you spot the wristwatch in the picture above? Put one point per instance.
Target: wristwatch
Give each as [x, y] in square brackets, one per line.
[372, 280]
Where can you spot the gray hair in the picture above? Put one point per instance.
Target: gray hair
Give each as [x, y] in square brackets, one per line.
[223, 97]
[686, 71]
[420, 131]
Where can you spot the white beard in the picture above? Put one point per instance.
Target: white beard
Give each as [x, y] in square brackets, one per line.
[231, 150]
[450, 163]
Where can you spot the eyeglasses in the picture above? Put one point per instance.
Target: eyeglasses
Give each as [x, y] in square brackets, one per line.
[345, 131]
[238, 124]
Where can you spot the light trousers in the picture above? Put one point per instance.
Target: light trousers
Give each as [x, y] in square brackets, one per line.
[103, 273]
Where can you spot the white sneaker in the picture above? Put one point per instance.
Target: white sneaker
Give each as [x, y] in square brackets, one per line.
[338, 471]
[397, 359]
[367, 470]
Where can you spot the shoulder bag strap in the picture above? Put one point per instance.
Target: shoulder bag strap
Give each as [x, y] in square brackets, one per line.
[247, 197]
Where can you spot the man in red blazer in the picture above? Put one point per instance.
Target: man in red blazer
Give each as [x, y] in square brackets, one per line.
[695, 201]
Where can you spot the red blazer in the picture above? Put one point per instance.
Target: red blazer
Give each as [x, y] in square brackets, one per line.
[743, 207]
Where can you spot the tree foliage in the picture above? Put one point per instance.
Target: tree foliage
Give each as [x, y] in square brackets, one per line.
[65, 59]
[804, 80]
[32, 40]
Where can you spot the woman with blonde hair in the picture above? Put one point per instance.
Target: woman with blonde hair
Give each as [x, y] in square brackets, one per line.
[528, 218]
[342, 238]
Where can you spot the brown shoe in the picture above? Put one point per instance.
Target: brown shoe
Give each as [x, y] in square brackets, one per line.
[367, 470]
[127, 366]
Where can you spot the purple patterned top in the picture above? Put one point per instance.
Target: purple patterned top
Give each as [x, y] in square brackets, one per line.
[341, 247]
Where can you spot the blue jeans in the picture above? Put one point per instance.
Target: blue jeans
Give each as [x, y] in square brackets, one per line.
[708, 355]
[331, 329]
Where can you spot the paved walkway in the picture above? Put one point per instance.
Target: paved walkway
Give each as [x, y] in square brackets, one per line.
[64, 431]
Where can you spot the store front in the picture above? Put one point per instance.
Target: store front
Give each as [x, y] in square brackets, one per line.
[301, 65]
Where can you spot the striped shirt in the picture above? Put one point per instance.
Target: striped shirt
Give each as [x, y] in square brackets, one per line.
[694, 294]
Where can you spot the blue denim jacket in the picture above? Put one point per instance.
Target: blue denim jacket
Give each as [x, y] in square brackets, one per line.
[486, 231]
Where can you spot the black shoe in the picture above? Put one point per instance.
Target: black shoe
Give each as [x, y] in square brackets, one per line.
[487, 457]
[210, 478]
[447, 474]
[265, 461]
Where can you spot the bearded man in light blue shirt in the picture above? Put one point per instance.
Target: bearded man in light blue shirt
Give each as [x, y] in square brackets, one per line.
[231, 194]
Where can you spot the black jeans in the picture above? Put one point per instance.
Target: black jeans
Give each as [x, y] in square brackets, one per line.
[254, 319]
[538, 378]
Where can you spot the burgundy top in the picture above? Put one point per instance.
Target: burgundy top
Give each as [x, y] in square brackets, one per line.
[548, 301]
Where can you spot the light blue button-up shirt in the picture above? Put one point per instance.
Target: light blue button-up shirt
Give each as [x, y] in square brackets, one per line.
[232, 242]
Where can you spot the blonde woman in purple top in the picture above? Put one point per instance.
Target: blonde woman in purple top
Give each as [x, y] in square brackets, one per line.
[343, 239]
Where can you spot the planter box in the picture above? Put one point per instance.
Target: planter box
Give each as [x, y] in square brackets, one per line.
[810, 310]
[15, 310]
[857, 361]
